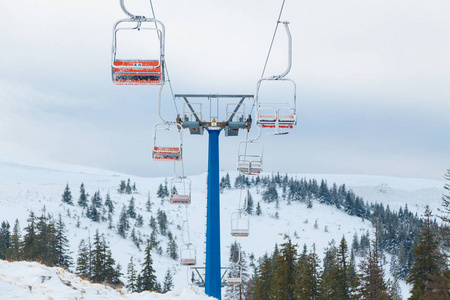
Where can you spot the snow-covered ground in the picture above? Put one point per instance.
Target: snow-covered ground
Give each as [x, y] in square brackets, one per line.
[29, 185]
[31, 280]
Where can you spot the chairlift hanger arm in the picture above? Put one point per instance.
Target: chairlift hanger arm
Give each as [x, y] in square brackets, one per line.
[125, 10]
[288, 32]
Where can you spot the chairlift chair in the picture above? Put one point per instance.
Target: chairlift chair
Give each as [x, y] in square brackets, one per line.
[235, 280]
[166, 153]
[183, 188]
[187, 255]
[137, 71]
[278, 113]
[240, 224]
[250, 155]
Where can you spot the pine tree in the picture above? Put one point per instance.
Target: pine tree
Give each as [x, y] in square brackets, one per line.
[394, 290]
[29, 245]
[153, 225]
[309, 274]
[46, 240]
[372, 283]
[131, 211]
[123, 225]
[132, 276]
[271, 194]
[445, 215]
[5, 239]
[168, 282]
[162, 221]
[84, 260]
[109, 204]
[153, 239]
[103, 265]
[329, 285]
[172, 248]
[62, 246]
[285, 273]
[67, 196]
[92, 212]
[343, 278]
[426, 274]
[445, 233]
[264, 280]
[14, 252]
[249, 208]
[97, 200]
[139, 221]
[258, 209]
[82, 200]
[160, 193]
[128, 187]
[227, 181]
[147, 277]
[148, 204]
[122, 187]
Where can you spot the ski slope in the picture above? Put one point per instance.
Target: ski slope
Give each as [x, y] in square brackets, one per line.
[31, 185]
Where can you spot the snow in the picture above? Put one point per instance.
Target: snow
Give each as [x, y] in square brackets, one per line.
[26, 280]
[29, 185]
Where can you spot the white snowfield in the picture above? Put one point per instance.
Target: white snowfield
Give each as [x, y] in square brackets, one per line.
[31, 280]
[31, 185]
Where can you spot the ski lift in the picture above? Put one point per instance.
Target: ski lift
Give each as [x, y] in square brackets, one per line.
[240, 224]
[138, 71]
[171, 152]
[278, 114]
[250, 155]
[187, 255]
[180, 190]
[235, 280]
[235, 271]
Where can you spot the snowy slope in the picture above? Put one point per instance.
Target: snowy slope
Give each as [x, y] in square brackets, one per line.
[28, 185]
[30, 280]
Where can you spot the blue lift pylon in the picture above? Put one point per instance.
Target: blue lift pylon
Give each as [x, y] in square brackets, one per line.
[213, 280]
[235, 119]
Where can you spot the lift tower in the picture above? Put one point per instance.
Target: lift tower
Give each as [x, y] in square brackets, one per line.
[234, 120]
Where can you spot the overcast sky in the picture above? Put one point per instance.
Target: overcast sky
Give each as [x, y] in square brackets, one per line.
[373, 83]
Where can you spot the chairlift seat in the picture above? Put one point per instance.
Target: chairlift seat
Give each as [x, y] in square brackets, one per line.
[270, 121]
[267, 118]
[250, 168]
[187, 262]
[167, 153]
[234, 281]
[180, 199]
[239, 232]
[137, 72]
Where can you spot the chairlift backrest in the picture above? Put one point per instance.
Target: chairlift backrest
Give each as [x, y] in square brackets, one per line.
[133, 70]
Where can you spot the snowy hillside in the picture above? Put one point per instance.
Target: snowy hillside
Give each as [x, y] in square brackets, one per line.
[26, 280]
[27, 186]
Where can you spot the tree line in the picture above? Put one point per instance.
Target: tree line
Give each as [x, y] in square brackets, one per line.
[287, 274]
[397, 230]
